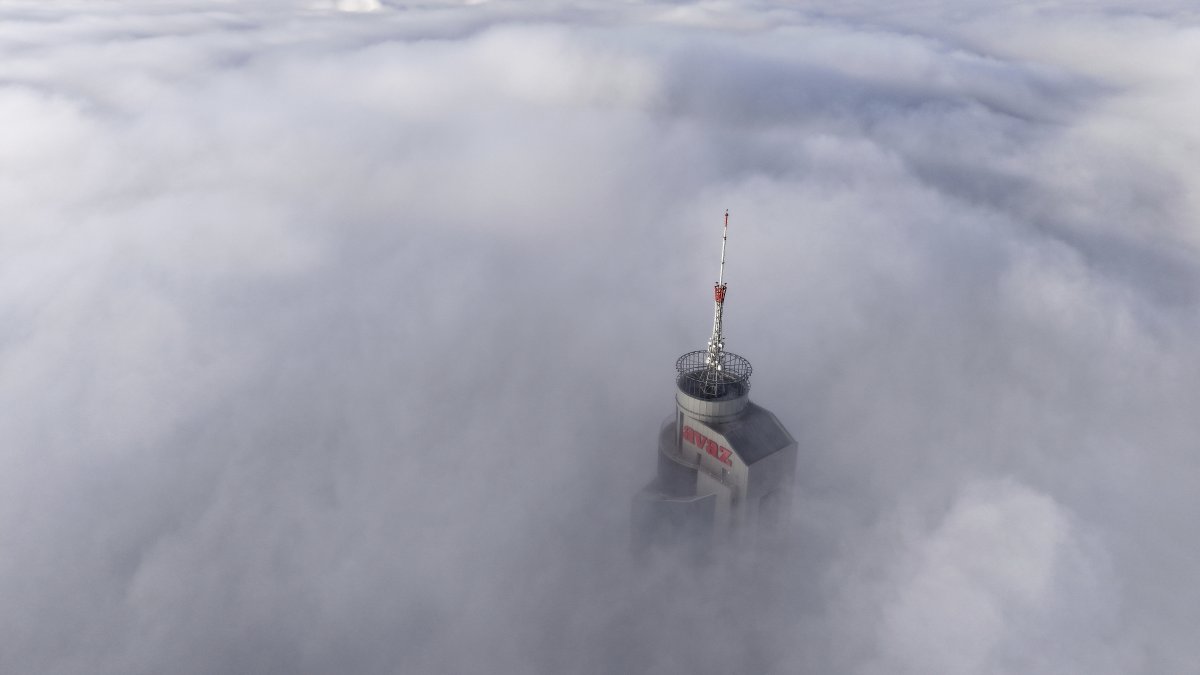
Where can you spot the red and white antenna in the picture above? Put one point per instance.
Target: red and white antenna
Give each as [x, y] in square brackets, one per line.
[716, 344]
[714, 374]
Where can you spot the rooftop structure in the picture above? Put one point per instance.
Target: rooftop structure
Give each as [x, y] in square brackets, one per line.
[725, 465]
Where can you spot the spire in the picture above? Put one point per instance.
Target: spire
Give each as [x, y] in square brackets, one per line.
[715, 374]
[716, 344]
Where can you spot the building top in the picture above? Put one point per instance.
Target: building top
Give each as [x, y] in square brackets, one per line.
[714, 374]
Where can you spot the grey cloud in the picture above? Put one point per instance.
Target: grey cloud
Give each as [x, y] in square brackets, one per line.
[337, 341]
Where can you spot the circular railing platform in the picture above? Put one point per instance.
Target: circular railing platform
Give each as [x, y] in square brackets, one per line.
[729, 379]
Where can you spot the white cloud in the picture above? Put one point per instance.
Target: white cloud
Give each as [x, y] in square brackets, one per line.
[1005, 583]
[359, 5]
[337, 342]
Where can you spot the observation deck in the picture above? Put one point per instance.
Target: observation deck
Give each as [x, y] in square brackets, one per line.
[712, 393]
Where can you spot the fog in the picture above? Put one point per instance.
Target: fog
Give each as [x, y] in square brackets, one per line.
[336, 335]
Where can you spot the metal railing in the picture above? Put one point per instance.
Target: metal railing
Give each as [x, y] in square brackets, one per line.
[729, 378]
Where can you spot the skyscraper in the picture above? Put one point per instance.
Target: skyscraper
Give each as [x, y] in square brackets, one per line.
[725, 464]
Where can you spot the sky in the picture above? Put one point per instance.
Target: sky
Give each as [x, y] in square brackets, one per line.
[336, 335]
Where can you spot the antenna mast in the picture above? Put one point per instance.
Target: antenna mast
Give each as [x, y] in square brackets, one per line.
[716, 344]
[715, 374]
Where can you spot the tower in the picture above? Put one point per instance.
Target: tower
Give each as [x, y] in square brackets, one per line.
[725, 464]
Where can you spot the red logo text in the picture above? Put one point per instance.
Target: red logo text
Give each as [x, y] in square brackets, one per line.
[708, 445]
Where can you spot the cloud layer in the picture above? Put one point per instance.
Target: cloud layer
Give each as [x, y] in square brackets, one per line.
[338, 334]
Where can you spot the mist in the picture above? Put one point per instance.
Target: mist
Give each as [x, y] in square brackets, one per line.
[336, 335]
